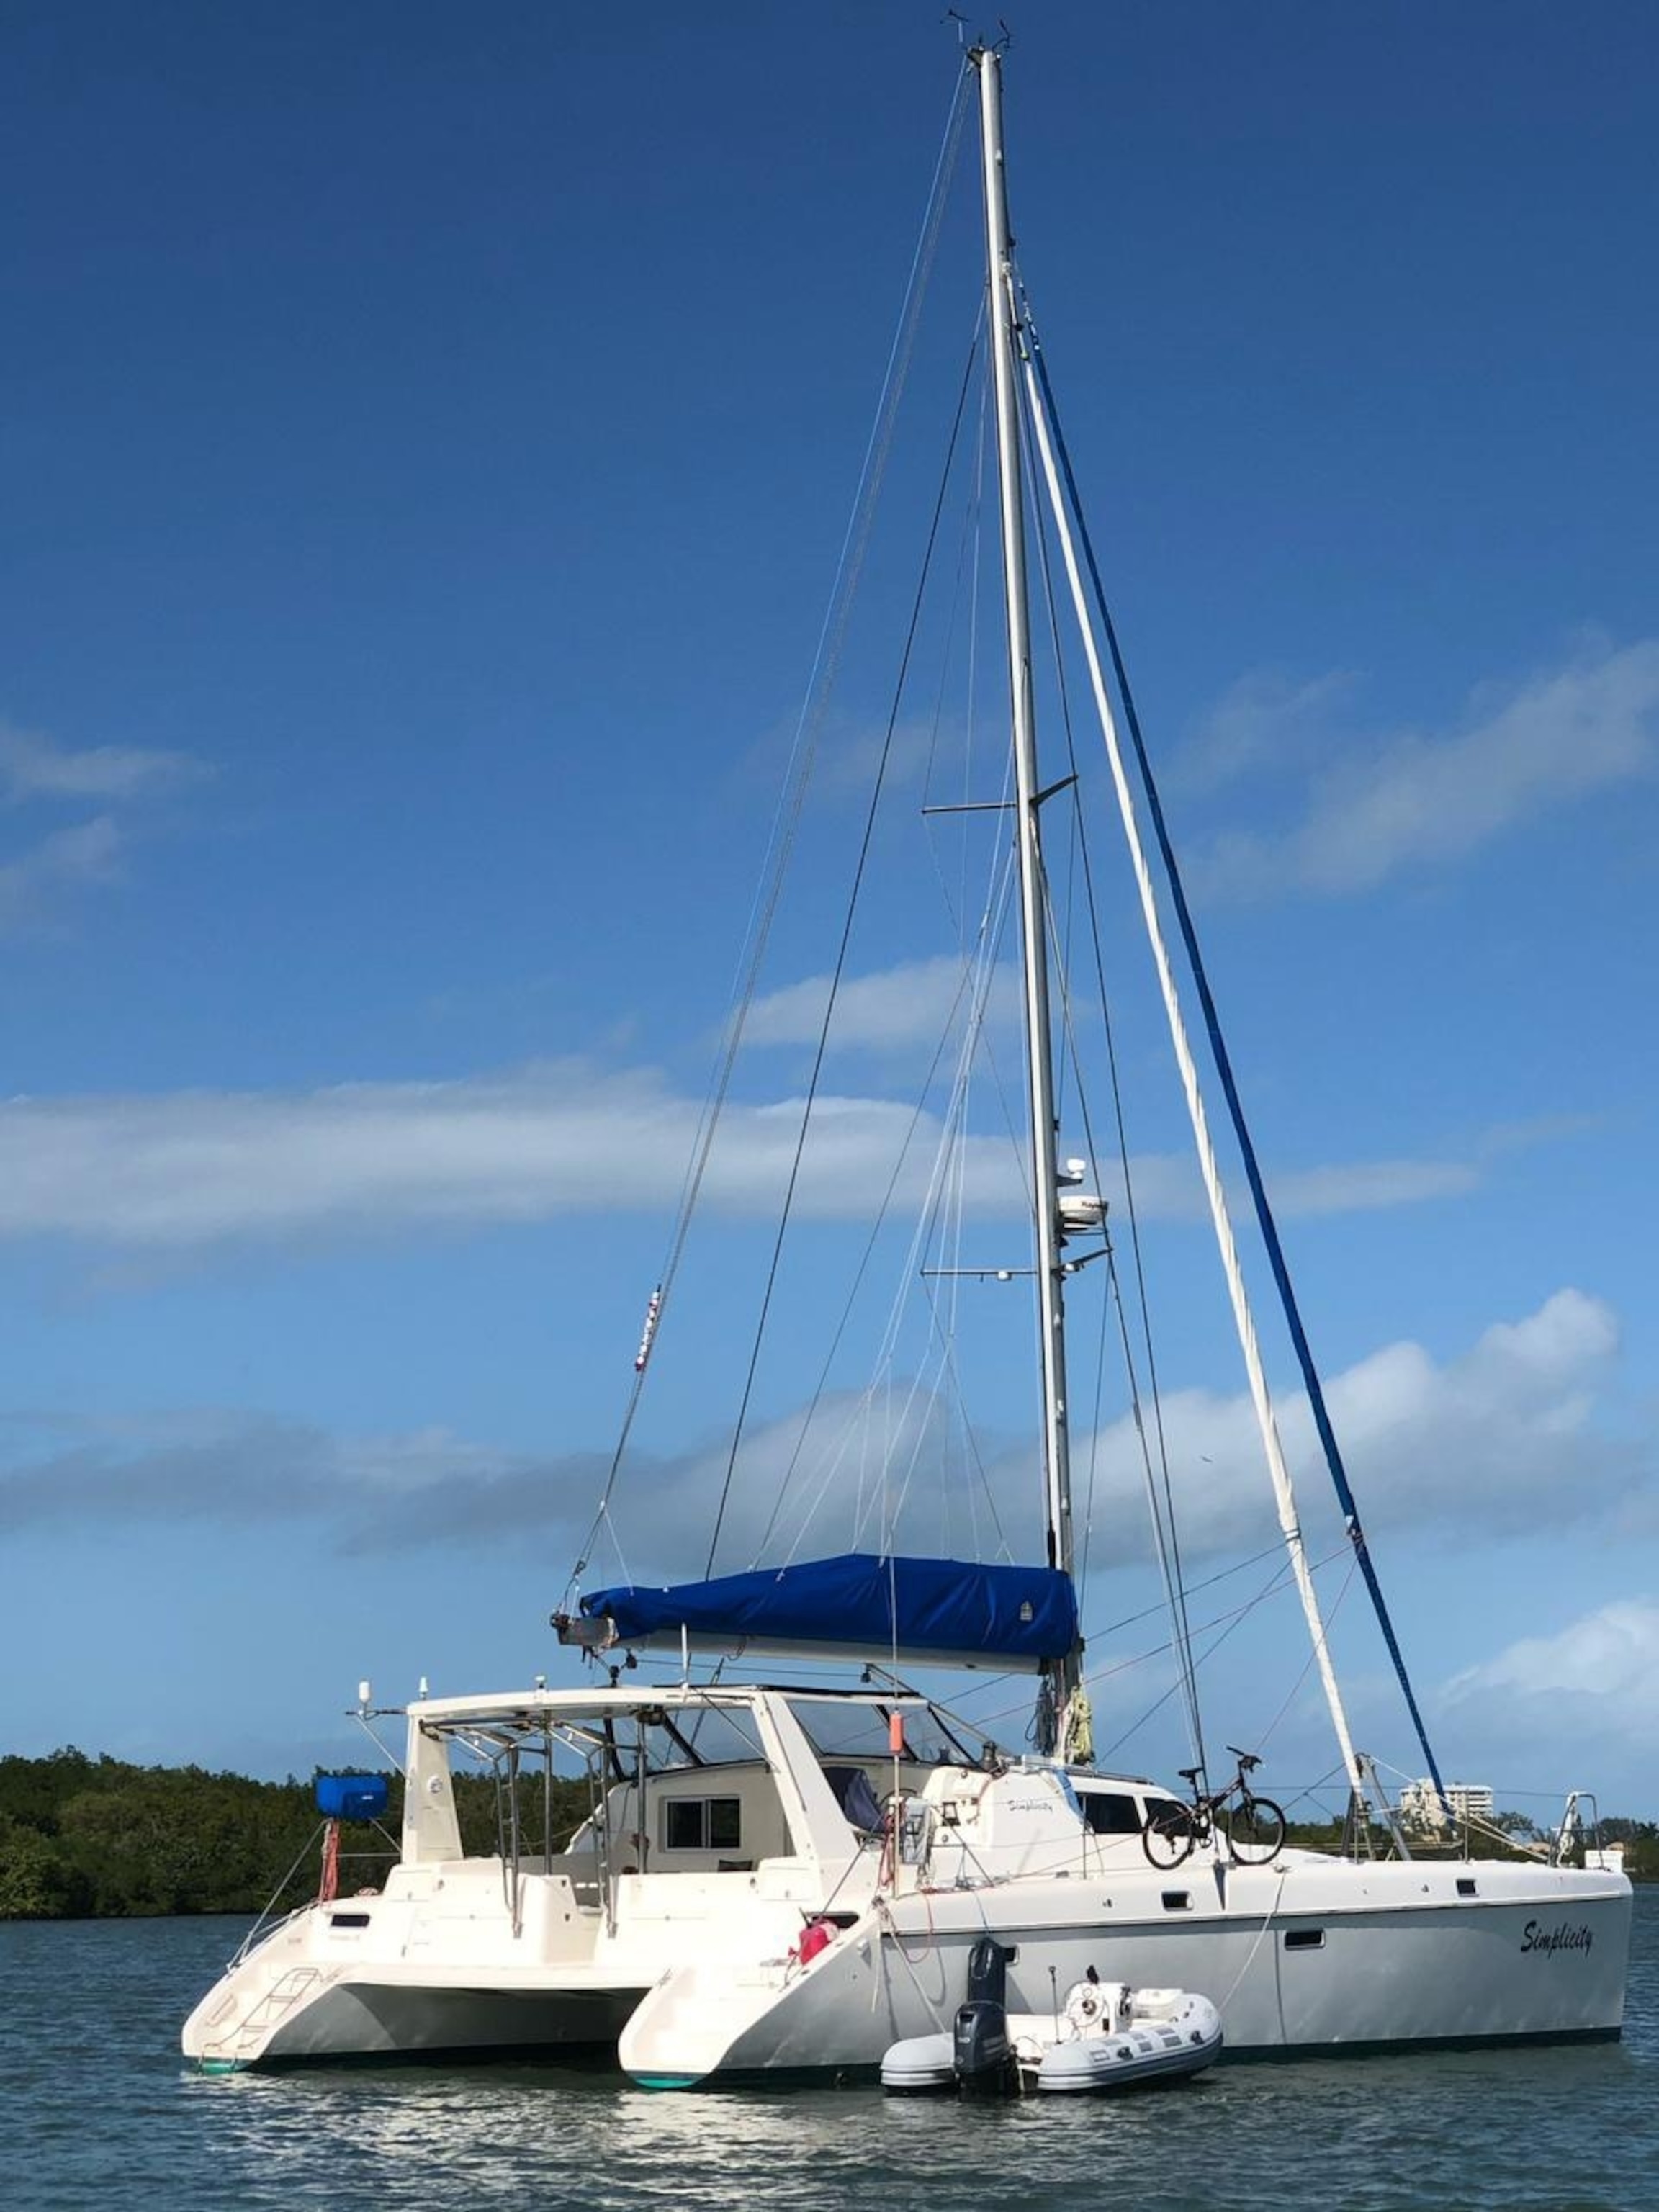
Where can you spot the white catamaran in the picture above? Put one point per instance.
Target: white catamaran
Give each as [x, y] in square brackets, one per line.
[777, 1878]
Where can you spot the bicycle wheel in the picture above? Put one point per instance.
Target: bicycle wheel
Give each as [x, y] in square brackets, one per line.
[1255, 1830]
[1168, 1835]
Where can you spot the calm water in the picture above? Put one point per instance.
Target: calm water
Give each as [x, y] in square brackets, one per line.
[98, 2112]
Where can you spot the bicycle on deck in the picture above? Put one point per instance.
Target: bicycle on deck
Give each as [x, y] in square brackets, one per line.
[1252, 1827]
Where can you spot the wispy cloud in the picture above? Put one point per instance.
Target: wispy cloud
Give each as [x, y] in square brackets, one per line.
[207, 1464]
[33, 767]
[1370, 1186]
[1367, 1186]
[36, 881]
[192, 1169]
[850, 754]
[1412, 798]
[63, 862]
[944, 754]
[1264, 724]
[912, 1003]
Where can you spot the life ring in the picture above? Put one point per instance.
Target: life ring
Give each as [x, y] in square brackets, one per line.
[1085, 2005]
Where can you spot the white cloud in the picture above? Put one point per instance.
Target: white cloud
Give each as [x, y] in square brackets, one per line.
[850, 753]
[1502, 1438]
[1366, 1186]
[1578, 1705]
[68, 860]
[36, 882]
[32, 767]
[180, 1173]
[911, 1003]
[1263, 725]
[1417, 799]
[193, 1168]
[1611, 1655]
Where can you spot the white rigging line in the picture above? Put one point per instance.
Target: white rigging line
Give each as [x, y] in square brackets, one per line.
[803, 752]
[1243, 1322]
[1161, 1510]
[942, 1214]
[880, 1432]
[978, 980]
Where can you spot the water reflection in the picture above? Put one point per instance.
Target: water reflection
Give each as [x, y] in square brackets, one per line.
[101, 2112]
[1478, 2129]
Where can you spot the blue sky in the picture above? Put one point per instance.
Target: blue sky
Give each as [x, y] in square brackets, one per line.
[426, 444]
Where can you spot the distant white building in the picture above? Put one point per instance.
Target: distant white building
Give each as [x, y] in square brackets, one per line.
[1420, 1806]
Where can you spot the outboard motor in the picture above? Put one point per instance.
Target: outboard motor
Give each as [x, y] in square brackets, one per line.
[982, 2057]
[988, 1973]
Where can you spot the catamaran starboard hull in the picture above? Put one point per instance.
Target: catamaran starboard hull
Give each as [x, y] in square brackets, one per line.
[1298, 1958]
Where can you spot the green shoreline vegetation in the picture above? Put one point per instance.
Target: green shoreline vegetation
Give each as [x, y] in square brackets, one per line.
[95, 1838]
[84, 1838]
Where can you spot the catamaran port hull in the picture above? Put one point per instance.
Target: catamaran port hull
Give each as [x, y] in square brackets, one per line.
[298, 2017]
[384, 2020]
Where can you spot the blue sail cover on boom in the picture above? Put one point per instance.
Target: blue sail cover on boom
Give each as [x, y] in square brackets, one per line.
[860, 1605]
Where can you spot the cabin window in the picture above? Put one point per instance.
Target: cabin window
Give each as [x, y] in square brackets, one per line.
[1304, 1939]
[1108, 1813]
[702, 1823]
[1465, 1885]
[1169, 1809]
[1177, 1901]
[347, 1920]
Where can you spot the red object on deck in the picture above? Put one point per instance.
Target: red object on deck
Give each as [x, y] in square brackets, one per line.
[816, 1936]
[329, 1887]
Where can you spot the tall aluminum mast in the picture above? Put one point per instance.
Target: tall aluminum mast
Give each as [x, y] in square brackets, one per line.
[1066, 1675]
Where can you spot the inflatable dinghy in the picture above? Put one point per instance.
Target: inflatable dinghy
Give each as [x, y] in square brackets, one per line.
[1106, 2037]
